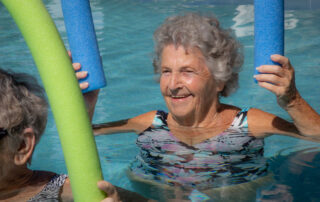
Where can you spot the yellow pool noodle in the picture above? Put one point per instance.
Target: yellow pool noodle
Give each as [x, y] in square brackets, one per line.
[64, 96]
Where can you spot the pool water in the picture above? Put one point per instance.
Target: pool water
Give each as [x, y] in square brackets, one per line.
[124, 29]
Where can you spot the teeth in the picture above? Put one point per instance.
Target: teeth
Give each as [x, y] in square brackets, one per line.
[178, 96]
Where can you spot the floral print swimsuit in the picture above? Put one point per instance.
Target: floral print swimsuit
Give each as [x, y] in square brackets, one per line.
[231, 157]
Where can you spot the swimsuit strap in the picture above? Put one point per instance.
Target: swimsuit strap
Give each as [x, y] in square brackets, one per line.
[241, 119]
[160, 119]
[52, 190]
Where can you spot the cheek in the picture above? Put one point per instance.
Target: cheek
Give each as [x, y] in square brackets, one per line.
[195, 85]
[163, 85]
[210, 91]
[190, 80]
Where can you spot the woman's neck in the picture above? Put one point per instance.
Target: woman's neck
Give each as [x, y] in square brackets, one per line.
[25, 185]
[15, 182]
[203, 118]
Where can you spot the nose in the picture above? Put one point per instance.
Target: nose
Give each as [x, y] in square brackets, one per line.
[175, 82]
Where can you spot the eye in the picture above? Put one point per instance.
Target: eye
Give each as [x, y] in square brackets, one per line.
[165, 71]
[188, 71]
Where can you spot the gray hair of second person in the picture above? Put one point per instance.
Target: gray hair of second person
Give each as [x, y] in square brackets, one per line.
[22, 105]
[222, 52]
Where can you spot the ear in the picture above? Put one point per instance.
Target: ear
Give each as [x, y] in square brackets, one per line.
[25, 150]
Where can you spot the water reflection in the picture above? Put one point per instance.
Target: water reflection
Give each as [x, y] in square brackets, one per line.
[292, 174]
[296, 175]
[123, 44]
[290, 21]
[244, 20]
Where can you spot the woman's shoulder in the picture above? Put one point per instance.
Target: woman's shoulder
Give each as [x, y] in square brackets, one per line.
[52, 187]
[258, 116]
[229, 107]
[259, 121]
[145, 117]
[262, 123]
[246, 109]
[142, 121]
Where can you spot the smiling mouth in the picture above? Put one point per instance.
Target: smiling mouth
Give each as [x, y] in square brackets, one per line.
[179, 97]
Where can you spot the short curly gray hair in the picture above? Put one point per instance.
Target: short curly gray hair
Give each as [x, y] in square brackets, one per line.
[22, 105]
[223, 53]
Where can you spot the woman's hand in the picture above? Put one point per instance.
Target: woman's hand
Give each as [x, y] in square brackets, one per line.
[80, 75]
[279, 80]
[118, 194]
[91, 97]
[110, 190]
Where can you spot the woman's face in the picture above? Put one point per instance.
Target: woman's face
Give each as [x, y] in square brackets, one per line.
[186, 83]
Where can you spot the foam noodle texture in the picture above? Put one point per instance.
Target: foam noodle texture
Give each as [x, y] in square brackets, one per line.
[83, 42]
[64, 96]
[268, 31]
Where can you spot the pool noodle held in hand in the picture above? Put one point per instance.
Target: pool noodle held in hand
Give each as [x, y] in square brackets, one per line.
[64, 95]
[268, 31]
[82, 40]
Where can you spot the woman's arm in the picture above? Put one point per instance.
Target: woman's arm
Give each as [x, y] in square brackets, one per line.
[136, 124]
[262, 124]
[281, 81]
[90, 98]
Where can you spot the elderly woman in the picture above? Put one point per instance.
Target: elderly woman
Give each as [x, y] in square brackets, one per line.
[23, 118]
[202, 143]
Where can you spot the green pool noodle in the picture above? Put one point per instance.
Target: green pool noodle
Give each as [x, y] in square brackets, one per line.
[64, 94]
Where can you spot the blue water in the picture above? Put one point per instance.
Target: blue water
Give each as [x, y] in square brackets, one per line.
[124, 30]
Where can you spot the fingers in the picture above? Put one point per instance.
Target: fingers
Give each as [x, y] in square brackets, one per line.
[271, 69]
[84, 85]
[280, 80]
[80, 75]
[76, 66]
[273, 74]
[110, 190]
[277, 90]
[278, 75]
[107, 187]
[274, 78]
[274, 83]
[283, 61]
